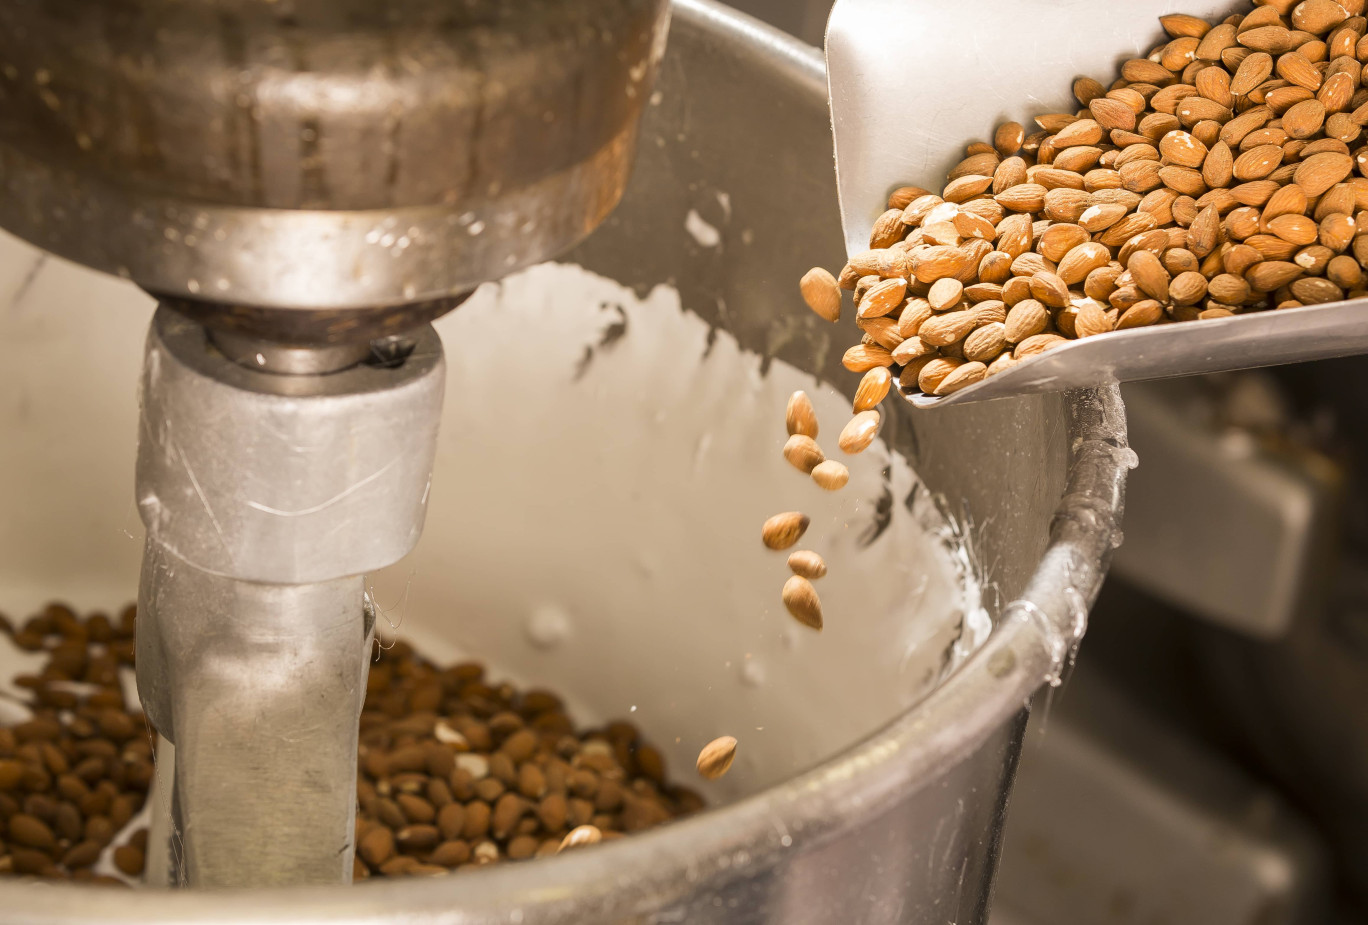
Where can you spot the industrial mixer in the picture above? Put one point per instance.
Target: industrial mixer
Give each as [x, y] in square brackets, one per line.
[268, 484]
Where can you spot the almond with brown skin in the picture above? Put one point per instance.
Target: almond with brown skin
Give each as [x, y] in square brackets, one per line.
[1092, 319]
[821, 293]
[831, 475]
[1037, 344]
[859, 432]
[783, 530]
[1149, 274]
[863, 357]
[803, 453]
[808, 564]
[1008, 138]
[1026, 318]
[1318, 16]
[946, 328]
[1270, 274]
[799, 416]
[882, 298]
[1318, 173]
[801, 599]
[1141, 314]
[872, 390]
[986, 342]
[714, 760]
[1188, 288]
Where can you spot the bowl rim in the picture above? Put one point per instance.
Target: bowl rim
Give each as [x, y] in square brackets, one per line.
[1029, 646]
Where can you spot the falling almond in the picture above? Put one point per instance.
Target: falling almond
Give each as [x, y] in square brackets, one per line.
[783, 530]
[800, 597]
[716, 757]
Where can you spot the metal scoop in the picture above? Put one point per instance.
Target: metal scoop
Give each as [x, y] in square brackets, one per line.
[912, 81]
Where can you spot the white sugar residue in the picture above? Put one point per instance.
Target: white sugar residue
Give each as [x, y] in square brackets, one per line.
[625, 483]
[704, 233]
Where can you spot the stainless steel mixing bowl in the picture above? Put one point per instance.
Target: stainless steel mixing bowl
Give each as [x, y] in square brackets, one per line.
[892, 813]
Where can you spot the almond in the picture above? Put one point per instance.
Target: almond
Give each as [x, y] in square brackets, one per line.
[1059, 239]
[862, 358]
[1182, 149]
[1275, 40]
[1081, 132]
[713, 761]
[1295, 229]
[1149, 274]
[1304, 119]
[888, 229]
[912, 349]
[821, 293]
[1270, 274]
[873, 389]
[1008, 138]
[808, 564]
[1081, 260]
[882, 298]
[962, 376]
[803, 453]
[859, 433]
[799, 416]
[986, 342]
[1316, 291]
[1141, 314]
[1318, 173]
[1025, 319]
[582, 835]
[1228, 288]
[1337, 231]
[1258, 162]
[1188, 288]
[882, 331]
[1179, 25]
[1085, 90]
[1049, 289]
[1112, 114]
[831, 475]
[1102, 216]
[1295, 69]
[1219, 167]
[947, 328]
[1091, 320]
[1024, 197]
[945, 293]
[940, 262]
[1253, 70]
[1215, 42]
[934, 372]
[974, 165]
[1204, 233]
[783, 530]
[903, 195]
[1337, 92]
[1318, 16]
[1037, 344]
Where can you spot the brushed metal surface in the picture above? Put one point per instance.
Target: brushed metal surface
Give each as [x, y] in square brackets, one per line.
[318, 154]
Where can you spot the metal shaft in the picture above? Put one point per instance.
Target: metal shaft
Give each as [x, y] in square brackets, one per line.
[265, 684]
[266, 498]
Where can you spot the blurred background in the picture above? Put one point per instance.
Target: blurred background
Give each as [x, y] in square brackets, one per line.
[1206, 760]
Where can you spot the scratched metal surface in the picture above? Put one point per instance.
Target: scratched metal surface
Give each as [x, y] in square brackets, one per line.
[913, 81]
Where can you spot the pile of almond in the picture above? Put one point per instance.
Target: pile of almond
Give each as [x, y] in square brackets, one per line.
[1215, 177]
